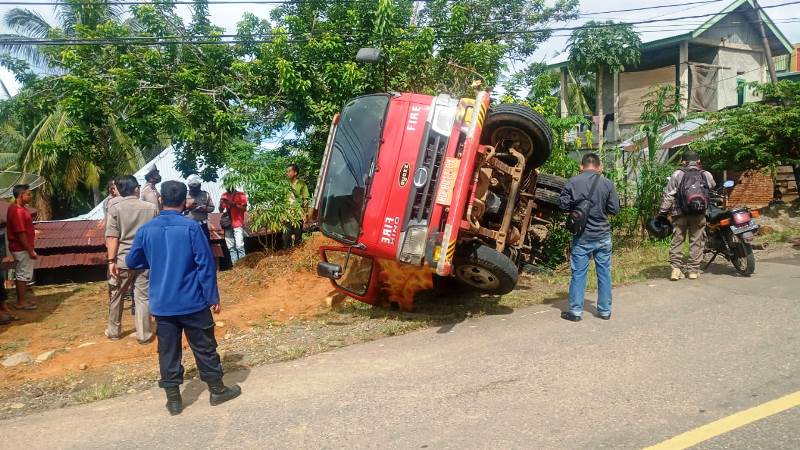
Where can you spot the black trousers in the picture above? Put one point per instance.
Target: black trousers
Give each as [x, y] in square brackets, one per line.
[292, 229]
[199, 330]
[207, 232]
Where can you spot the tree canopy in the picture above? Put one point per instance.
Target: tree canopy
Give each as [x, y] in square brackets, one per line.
[755, 135]
[608, 44]
[151, 79]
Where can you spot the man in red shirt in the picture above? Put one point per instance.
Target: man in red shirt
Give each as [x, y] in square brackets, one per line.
[233, 204]
[21, 240]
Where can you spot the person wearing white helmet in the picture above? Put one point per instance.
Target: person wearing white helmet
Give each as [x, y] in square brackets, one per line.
[198, 203]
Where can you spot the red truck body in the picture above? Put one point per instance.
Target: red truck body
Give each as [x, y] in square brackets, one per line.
[399, 179]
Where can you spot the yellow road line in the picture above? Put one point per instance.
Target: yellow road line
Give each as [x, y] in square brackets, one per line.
[730, 423]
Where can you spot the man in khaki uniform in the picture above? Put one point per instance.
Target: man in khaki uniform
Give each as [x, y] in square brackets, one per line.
[123, 220]
[685, 223]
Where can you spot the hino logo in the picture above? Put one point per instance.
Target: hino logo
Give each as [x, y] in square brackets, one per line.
[404, 174]
[420, 177]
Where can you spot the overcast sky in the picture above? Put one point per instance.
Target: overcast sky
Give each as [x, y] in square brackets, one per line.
[786, 17]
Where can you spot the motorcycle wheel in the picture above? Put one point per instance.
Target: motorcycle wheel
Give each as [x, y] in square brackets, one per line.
[743, 259]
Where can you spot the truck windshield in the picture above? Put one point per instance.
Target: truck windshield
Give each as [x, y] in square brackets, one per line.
[353, 152]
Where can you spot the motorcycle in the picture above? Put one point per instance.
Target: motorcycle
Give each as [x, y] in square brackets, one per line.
[730, 232]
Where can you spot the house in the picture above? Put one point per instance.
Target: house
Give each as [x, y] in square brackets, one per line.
[711, 65]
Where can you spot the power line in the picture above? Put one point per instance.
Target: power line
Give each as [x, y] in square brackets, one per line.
[233, 39]
[221, 39]
[648, 8]
[294, 2]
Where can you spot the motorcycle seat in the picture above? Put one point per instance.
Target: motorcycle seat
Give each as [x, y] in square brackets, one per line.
[714, 215]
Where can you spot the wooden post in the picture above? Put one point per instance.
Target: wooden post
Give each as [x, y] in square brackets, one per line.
[683, 81]
[767, 50]
[564, 92]
[599, 107]
[616, 137]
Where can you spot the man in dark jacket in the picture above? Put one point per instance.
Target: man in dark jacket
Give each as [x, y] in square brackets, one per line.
[595, 241]
[183, 293]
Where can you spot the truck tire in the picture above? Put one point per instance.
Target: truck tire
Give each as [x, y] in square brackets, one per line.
[547, 197]
[506, 118]
[485, 269]
[551, 182]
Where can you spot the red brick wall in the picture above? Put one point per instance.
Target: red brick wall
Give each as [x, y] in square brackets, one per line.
[753, 188]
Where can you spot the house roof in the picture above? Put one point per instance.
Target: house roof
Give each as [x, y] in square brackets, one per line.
[707, 15]
[673, 136]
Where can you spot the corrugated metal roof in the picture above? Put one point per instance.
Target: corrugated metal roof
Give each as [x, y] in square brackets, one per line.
[81, 259]
[62, 234]
[64, 260]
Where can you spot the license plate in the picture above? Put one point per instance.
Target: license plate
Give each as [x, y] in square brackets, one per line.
[744, 228]
[449, 175]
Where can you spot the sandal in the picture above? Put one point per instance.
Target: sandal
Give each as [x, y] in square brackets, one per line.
[26, 307]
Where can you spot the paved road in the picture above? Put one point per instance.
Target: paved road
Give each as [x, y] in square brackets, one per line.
[674, 357]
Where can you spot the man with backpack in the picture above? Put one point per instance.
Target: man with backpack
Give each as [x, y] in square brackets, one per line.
[686, 200]
[589, 198]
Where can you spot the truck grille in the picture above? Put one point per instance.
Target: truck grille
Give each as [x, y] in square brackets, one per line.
[432, 160]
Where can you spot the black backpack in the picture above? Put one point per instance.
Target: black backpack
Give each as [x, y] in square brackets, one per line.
[693, 192]
[576, 219]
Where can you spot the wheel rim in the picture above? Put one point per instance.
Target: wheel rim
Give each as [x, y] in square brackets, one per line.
[504, 138]
[478, 277]
[740, 258]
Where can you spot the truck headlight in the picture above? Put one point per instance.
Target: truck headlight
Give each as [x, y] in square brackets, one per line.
[413, 249]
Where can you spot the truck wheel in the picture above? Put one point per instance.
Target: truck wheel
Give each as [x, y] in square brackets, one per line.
[485, 269]
[551, 182]
[546, 197]
[507, 124]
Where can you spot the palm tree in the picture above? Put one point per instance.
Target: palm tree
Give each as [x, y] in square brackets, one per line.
[30, 24]
[29, 144]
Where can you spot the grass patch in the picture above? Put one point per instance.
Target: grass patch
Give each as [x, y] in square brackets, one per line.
[779, 237]
[398, 327]
[294, 352]
[14, 346]
[97, 392]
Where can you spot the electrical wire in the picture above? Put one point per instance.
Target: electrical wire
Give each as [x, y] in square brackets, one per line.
[295, 2]
[230, 38]
[648, 8]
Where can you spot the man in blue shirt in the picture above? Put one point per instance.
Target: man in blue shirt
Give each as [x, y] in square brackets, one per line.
[183, 292]
[595, 241]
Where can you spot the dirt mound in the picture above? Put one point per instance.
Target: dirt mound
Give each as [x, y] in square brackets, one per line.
[264, 287]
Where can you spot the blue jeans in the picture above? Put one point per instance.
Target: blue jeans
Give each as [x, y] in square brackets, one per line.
[582, 251]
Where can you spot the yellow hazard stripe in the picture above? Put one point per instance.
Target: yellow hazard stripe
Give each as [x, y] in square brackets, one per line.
[481, 115]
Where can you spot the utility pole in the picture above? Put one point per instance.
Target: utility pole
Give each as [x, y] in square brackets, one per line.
[767, 50]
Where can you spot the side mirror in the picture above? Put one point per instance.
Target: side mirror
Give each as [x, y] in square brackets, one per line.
[369, 55]
[329, 270]
[349, 271]
[729, 184]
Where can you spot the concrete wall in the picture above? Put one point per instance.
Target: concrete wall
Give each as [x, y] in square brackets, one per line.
[747, 65]
[735, 29]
